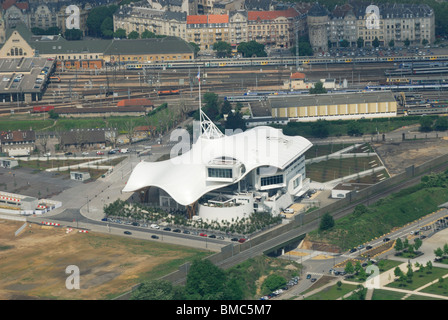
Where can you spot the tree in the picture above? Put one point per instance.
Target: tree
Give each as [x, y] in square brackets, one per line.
[53, 115]
[133, 35]
[354, 128]
[73, 34]
[196, 48]
[211, 107]
[344, 43]
[398, 272]
[362, 275]
[417, 243]
[358, 267]
[222, 48]
[441, 124]
[327, 222]
[107, 27]
[360, 42]
[339, 284]
[439, 253]
[147, 34]
[233, 289]
[398, 245]
[226, 107]
[425, 42]
[429, 267]
[391, 43]
[319, 129]
[120, 33]
[235, 121]
[318, 88]
[376, 42]
[205, 281]
[96, 18]
[445, 249]
[425, 124]
[252, 49]
[305, 48]
[407, 43]
[349, 269]
[274, 282]
[154, 290]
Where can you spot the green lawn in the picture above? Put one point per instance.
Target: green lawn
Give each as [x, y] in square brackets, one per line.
[438, 288]
[319, 150]
[420, 279]
[337, 168]
[380, 218]
[332, 292]
[379, 294]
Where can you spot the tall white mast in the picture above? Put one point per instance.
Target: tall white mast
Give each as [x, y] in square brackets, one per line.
[208, 129]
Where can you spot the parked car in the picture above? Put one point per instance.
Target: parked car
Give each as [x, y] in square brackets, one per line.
[154, 226]
[368, 247]
[212, 236]
[68, 153]
[154, 237]
[242, 240]
[234, 239]
[99, 153]
[386, 239]
[128, 232]
[167, 229]
[203, 234]
[177, 230]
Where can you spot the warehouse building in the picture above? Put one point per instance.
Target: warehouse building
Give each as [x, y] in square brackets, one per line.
[334, 106]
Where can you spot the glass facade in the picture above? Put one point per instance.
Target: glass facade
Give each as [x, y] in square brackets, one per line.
[266, 181]
[219, 173]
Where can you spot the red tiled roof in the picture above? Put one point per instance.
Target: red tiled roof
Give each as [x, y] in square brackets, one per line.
[298, 75]
[218, 18]
[196, 19]
[134, 102]
[9, 3]
[271, 15]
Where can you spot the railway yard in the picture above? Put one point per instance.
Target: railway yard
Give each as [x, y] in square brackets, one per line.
[102, 88]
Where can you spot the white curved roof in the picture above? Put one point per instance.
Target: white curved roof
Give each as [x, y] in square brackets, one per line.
[184, 177]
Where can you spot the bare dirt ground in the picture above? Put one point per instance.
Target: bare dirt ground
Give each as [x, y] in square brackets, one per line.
[398, 156]
[33, 264]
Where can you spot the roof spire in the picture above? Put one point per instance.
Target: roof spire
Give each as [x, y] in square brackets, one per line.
[208, 129]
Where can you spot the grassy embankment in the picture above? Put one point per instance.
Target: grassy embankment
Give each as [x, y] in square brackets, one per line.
[380, 218]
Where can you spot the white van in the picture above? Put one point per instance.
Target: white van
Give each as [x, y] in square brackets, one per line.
[289, 210]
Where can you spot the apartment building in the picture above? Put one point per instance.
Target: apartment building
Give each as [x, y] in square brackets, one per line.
[397, 22]
[205, 30]
[273, 28]
[143, 17]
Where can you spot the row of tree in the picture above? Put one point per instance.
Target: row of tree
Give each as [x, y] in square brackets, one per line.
[428, 123]
[205, 281]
